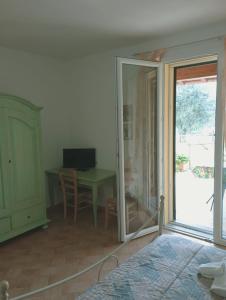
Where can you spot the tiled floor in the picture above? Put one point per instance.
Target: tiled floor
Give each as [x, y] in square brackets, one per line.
[41, 257]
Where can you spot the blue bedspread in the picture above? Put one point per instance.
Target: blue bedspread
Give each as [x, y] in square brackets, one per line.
[164, 269]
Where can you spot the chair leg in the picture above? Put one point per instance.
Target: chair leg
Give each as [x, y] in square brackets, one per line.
[106, 215]
[75, 208]
[137, 208]
[65, 207]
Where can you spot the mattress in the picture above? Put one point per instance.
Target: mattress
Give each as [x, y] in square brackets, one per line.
[165, 269]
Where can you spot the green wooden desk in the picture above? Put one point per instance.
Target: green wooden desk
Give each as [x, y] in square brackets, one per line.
[92, 178]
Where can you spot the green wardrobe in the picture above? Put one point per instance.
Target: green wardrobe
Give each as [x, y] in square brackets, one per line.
[22, 205]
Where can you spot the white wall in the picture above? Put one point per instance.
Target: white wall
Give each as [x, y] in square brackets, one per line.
[94, 95]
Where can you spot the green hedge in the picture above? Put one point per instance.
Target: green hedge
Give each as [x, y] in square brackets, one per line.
[203, 172]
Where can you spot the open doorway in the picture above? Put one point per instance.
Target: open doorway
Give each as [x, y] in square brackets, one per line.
[193, 146]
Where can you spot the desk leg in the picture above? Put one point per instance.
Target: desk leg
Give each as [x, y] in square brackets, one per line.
[95, 194]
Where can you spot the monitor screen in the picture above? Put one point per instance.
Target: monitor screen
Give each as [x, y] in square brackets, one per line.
[81, 159]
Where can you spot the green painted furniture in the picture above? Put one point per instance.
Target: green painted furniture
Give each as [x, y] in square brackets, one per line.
[22, 205]
[92, 178]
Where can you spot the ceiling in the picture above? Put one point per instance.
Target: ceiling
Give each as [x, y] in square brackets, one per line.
[73, 28]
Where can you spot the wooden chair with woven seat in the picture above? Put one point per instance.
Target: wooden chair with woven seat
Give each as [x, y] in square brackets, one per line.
[131, 210]
[80, 197]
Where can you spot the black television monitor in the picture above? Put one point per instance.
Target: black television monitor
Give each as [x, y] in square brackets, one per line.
[80, 158]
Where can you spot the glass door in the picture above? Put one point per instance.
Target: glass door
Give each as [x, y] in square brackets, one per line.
[140, 134]
[196, 136]
[194, 145]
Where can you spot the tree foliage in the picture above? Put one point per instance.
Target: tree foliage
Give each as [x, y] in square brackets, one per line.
[194, 110]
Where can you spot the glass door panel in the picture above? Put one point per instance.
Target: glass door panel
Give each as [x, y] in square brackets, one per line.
[138, 145]
[194, 145]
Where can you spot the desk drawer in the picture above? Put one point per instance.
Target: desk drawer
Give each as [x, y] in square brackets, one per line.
[5, 225]
[27, 216]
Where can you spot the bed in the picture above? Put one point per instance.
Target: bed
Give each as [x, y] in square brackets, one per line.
[165, 269]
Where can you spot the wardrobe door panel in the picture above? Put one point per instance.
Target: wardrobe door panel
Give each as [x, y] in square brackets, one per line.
[25, 159]
[2, 189]
[4, 167]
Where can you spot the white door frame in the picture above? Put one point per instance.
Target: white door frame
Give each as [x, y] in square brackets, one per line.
[121, 184]
[219, 155]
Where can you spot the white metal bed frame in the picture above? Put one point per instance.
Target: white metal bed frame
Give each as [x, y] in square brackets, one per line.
[4, 285]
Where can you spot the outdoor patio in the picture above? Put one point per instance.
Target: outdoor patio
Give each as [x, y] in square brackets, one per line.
[192, 194]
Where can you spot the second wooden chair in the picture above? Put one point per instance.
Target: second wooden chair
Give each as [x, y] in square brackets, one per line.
[131, 210]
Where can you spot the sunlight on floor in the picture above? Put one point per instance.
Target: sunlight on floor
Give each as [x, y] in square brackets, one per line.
[192, 194]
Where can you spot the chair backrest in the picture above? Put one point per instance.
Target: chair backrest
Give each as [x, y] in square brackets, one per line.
[68, 180]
